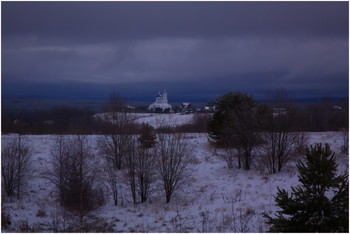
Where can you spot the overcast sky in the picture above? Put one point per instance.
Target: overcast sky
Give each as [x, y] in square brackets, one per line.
[196, 50]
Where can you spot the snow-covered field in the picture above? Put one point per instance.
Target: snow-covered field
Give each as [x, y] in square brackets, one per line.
[216, 199]
[159, 120]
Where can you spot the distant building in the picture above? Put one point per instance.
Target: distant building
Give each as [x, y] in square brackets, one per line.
[161, 103]
[279, 111]
[130, 107]
[186, 108]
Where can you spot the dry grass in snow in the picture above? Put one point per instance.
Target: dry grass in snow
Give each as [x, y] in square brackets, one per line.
[215, 199]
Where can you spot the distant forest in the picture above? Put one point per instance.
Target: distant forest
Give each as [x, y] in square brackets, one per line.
[326, 115]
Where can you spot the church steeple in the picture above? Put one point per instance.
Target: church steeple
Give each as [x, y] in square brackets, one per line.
[161, 102]
[165, 96]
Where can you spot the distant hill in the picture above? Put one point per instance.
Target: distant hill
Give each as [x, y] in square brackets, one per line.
[95, 105]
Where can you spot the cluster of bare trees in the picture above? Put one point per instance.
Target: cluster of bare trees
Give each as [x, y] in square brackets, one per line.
[74, 169]
[167, 162]
[15, 165]
[244, 130]
[140, 171]
[140, 161]
[120, 125]
[281, 142]
[282, 135]
[173, 162]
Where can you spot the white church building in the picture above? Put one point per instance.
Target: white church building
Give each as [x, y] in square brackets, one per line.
[161, 103]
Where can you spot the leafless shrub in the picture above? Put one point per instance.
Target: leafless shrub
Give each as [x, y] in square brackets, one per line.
[279, 148]
[130, 174]
[119, 125]
[145, 171]
[302, 142]
[113, 180]
[140, 171]
[114, 145]
[205, 222]
[282, 137]
[59, 171]
[228, 154]
[73, 172]
[15, 165]
[173, 162]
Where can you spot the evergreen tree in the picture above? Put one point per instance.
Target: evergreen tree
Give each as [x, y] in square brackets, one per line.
[320, 203]
[228, 106]
[235, 123]
[147, 136]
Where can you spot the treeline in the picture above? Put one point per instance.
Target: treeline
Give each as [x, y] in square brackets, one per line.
[58, 120]
[328, 115]
[70, 120]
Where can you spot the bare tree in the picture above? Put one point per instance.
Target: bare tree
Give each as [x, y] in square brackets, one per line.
[119, 124]
[145, 171]
[74, 171]
[242, 129]
[282, 136]
[15, 165]
[58, 173]
[174, 156]
[130, 173]
[9, 168]
[140, 173]
[279, 148]
[112, 179]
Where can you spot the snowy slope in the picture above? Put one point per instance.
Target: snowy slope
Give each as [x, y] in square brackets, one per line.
[158, 120]
[162, 120]
[216, 199]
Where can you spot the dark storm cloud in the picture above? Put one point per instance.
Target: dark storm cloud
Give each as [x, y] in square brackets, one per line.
[210, 46]
[135, 20]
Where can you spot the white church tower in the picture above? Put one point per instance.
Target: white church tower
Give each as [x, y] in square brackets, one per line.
[165, 97]
[161, 102]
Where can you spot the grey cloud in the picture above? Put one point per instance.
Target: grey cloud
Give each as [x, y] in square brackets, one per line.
[182, 59]
[209, 45]
[108, 21]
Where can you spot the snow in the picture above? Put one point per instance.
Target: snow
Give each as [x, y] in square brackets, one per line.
[216, 199]
[164, 120]
[162, 106]
[157, 120]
